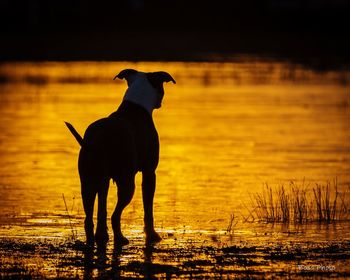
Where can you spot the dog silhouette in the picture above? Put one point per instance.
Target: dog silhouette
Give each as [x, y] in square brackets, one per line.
[117, 147]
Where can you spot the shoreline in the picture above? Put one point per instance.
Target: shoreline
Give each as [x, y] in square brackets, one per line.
[319, 52]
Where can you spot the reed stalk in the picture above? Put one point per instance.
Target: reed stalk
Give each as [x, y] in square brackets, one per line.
[69, 218]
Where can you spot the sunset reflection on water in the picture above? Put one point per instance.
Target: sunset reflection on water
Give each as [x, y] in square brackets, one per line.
[225, 129]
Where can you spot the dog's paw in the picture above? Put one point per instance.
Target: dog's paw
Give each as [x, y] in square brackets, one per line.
[90, 242]
[153, 237]
[120, 240]
[101, 237]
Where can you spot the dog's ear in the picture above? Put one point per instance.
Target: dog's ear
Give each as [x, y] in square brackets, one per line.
[125, 74]
[163, 77]
[158, 78]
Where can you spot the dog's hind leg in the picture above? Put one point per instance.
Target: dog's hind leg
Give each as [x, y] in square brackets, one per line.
[88, 193]
[101, 235]
[126, 188]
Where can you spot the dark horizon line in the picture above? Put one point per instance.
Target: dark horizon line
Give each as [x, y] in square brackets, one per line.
[330, 64]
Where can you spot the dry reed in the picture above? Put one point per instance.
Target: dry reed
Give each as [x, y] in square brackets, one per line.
[297, 204]
[74, 234]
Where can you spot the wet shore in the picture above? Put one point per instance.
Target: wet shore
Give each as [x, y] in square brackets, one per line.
[180, 255]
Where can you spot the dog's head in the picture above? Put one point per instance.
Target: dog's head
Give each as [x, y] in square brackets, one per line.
[145, 89]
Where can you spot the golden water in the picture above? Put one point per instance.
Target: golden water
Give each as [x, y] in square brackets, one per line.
[225, 129]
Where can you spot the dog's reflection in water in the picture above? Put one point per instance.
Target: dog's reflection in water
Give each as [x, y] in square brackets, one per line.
[111, 268]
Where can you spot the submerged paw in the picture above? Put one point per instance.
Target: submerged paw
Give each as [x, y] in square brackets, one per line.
[121, 240]
[153, 238]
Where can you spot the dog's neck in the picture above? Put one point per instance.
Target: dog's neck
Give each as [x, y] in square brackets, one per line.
[141, 92]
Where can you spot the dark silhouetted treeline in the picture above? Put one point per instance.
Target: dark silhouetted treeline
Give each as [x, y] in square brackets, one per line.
[172, 30]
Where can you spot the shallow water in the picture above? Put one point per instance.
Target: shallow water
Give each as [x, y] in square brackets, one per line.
[225, 129]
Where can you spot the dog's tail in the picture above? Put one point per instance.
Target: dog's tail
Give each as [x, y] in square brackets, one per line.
[75, 133]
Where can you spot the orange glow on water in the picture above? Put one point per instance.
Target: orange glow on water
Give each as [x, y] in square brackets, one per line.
[224, 128]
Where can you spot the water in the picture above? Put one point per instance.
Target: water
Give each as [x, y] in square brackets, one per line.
[225, 130]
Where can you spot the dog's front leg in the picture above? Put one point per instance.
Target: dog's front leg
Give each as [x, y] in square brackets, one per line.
[148, 190]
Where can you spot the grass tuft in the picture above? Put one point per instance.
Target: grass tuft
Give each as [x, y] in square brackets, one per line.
[298, 204]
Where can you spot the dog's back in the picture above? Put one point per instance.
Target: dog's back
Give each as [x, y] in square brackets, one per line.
[144, 132]
[125, 142]
[108, 150]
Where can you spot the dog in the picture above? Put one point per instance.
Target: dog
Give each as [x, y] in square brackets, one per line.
[117, 147]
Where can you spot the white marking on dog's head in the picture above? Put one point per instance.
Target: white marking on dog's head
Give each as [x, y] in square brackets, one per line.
[145, 89]
[141, 92]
